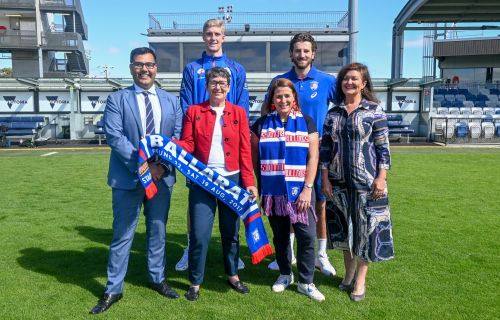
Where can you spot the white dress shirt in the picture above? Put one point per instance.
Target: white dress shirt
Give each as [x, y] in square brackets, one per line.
[155, 103]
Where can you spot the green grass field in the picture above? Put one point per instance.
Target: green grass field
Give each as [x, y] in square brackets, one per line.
[55, 228]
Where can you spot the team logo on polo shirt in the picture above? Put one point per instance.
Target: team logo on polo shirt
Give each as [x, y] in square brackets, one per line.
[314, 85]
[200, 71]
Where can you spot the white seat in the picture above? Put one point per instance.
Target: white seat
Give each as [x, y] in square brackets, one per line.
[466, 111]
[484, 91]
[488, 130]
[454, 111]
[449, 130]
[474, 130]
[489, 110]
[442, 111]
[477, 111]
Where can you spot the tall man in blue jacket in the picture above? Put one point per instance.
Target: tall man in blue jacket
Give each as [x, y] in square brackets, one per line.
[131, 114]
[316, 90]
[194, 86]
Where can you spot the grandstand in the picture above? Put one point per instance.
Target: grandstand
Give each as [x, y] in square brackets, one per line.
[460, 83]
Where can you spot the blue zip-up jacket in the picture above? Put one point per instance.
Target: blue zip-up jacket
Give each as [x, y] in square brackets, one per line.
[193, 85]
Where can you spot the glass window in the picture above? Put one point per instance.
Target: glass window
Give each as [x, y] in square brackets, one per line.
[329, 56]
[167, 55]
[280, 57]
[496, 75]
[252, 55]
[192, 52]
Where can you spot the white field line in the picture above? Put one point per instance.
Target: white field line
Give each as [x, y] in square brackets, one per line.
[48, 154]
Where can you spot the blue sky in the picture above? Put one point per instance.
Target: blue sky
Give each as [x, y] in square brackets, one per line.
[115, 27]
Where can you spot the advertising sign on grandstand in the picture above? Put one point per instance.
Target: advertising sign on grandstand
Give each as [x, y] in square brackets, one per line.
[54, 101]
[14, 102]
[405, 101]
[93, 102]
[256, 102]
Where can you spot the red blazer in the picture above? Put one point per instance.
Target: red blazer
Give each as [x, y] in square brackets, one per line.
[197, 132]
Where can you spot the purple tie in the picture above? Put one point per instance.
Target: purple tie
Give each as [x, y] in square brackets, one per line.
[150, 119]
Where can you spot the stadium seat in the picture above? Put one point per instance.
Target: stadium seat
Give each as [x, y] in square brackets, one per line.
[436, 104]
[491, 104]
[461, 130]
[495, 91]
[481, 97]
[474, 129]
[484, 91]
[438, 97]
[454, 111]
[457, 104]
[469, 104]
[441, 91]
[463, 91]
[465, 110]
[450, 97]
[470, 97]
[487, 127]
[460, 97]
[497, 111]
[489, 110]
[480, 103]
[442, 111]
[446, 104]
[477, 111]
[497, 129]
[493, 97]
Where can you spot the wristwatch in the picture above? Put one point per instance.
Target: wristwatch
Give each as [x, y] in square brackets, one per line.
[308, 185]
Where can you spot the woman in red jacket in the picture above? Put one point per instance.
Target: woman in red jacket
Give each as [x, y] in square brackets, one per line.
[216, 132]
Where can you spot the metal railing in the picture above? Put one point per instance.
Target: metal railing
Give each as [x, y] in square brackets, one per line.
[17, 4]
[250, 21]
[17, 39]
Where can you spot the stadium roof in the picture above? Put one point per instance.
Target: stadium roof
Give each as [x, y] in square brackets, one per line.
[440, 11]
[455, 11]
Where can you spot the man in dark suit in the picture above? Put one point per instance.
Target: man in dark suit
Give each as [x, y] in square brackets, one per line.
[131, 114]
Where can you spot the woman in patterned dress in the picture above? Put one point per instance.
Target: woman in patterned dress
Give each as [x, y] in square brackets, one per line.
[354, 161]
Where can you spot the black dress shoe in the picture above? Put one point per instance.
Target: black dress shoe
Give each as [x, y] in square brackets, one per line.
[192, 294]
[105, 302]
[164, 289]
[239, 287]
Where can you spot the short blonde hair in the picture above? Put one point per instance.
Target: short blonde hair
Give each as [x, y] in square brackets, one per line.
[213, 23]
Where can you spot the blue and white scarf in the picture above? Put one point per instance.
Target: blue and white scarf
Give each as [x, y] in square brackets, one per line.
[283, 160]
[225, 190]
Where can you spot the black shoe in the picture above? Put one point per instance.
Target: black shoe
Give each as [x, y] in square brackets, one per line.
[239, 287]
[105, 302]
[192, 294]
[164, 289]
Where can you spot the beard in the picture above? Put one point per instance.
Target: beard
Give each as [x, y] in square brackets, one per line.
[302, 64]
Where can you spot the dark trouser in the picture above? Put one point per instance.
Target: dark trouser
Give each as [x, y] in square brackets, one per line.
[202, 207]
[305, 235]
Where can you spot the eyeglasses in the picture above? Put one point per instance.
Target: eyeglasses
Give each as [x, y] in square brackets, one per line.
[140, 65]
[214, 84]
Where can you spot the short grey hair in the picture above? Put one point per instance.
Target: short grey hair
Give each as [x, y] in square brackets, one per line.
[217, 72]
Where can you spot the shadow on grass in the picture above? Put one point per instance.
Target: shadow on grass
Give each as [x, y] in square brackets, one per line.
[83, 268]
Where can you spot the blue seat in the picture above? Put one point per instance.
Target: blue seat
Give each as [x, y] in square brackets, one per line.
[480, 104]
[461, 130]
[470, 97]
[441, 91]
[457, 104]
[446, 104]
[463, 91]
[482, 97]
[497, 129]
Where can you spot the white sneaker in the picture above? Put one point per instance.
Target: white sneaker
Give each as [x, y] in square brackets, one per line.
[182, 265]
[323, 264]
[311, 291]
[274, 264]
[283, 282]
[241, 264]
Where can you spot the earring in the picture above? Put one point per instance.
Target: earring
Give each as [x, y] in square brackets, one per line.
[273, 107]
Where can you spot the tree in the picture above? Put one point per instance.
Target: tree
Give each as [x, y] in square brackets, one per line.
[6, 73]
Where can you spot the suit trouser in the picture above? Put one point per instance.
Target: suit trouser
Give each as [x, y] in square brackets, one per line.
[306, 237]
[126, 211]
[202, 207]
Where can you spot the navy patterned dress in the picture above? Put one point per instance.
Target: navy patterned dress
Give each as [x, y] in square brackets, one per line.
[353, 148]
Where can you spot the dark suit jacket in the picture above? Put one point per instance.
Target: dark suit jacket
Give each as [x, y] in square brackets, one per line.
[122, 123]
